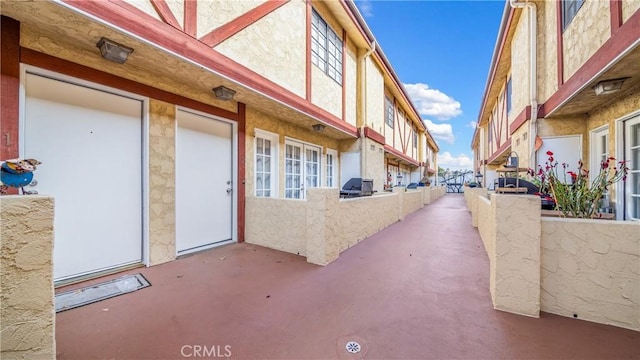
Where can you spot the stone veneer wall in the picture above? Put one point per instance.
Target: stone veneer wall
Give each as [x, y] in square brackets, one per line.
[27, 315]
[162, 182]
[324, 225]
[591, 268]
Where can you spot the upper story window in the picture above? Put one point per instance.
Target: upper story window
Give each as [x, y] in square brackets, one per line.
[388, 111]
[509, 95]
[415, 138]
[569, 10]
[326, 48]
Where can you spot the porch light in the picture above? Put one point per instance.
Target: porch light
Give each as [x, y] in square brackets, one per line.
[113, 51]
[609, 86]
[318, 127]
[223, 93]
[479, 178]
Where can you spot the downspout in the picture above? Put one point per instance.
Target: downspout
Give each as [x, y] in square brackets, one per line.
[533, 76]
[363, 108]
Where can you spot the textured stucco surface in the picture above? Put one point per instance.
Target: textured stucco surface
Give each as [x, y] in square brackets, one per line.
[412, 201]
[177, 8]
[277, 224]
[547, 50]
[162, 182]
[374, 99]
[591, 268]
[629, 7]
[323, 225]
[351, 84]
[326, 93]
[520, 67]
[145, 6]
[213, 14]
[27, 317]
[517, 254]
[588, 30]
[373, 164]
[273, 47]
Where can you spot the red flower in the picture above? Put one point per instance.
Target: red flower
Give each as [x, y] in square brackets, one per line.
[550, 158]
[549, 153]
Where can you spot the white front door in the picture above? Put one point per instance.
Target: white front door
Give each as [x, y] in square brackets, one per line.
[302, 169]
[90, 144]
[599, 153]
[204, 182]
[632, 157]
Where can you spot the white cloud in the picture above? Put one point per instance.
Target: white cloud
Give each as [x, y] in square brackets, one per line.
[366, 8]
[460, 162]
[440, 131]
[472, 124]
[433, 102]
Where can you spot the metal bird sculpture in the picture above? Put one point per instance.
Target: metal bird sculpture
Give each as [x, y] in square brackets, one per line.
[17, 173]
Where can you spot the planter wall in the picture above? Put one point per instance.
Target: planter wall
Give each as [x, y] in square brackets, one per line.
[585, 267]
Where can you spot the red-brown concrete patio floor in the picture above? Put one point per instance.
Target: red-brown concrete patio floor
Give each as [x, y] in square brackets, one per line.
[416, 290]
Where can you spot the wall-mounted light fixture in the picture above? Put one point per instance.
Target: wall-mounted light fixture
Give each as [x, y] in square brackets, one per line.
[318, 127]
[223, 93]
[608, 86]
[113, 51]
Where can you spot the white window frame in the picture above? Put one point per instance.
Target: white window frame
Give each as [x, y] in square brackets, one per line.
[598, 154]
[274, 138]
[326, 48]
[622, 188]
[331, 169]
[388, 111]
[304, 146]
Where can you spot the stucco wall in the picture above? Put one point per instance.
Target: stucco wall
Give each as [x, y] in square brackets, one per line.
[324, 225]
[212, 14]
[277, 224]
[326, 92]
[591, 268]
[359, 218]
[520, 144]
[588, 30]
[412, 201]
[519, 67]
[547, 50]
[162, 182]
[146, 7]
[274, 47]
[27, 315]
[629, 7]
[351, 84]
[374, 100]
[373, 163]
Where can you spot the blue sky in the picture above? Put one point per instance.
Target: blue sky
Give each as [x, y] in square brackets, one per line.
[441, 51]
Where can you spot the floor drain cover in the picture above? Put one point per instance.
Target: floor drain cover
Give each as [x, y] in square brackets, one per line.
[353, 347]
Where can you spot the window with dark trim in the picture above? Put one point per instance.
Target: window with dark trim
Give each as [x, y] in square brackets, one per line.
[388, 111]
[509, 95]
[326, 48]
[569, 10]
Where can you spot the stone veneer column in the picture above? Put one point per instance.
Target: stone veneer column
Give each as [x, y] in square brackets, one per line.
[162, 182]
[27, 315]
[516, 271]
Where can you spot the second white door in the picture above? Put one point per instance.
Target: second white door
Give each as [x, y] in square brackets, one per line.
[204, 182]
